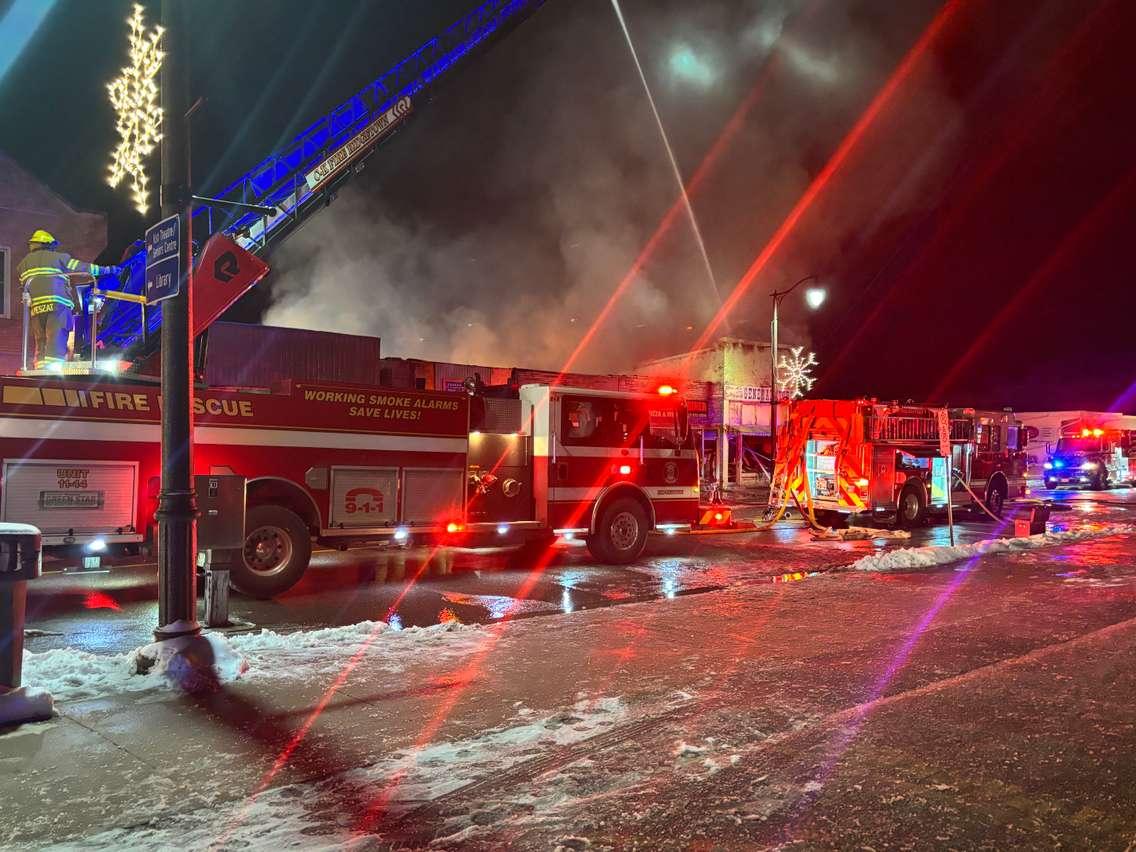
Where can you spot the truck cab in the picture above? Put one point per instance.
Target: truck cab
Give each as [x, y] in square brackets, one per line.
[606, 466]
[1095, 458]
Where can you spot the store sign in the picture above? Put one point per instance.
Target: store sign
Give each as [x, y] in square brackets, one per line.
[747, 393]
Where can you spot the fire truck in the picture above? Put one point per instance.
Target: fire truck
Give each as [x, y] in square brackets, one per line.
[351, 464]
[862, 457]
[335, 463]
[1093, 452]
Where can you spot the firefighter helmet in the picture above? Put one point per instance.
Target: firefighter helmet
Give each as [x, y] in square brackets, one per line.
[42, 236]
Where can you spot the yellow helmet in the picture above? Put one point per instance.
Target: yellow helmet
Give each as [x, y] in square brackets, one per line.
[42, 236]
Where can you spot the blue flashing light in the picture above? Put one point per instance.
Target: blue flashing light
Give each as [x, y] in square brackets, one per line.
[1058, 463]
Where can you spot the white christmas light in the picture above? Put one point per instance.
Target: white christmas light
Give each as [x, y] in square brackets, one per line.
[795, 372]
[138, 114]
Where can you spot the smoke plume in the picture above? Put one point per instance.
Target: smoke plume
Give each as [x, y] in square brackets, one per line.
[495, 227]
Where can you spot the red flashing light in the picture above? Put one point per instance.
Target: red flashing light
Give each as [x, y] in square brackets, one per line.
[454, 527]
[666, 390]
[1086, 432]
[625, 470]
[1098, 432]
[718, 516]
[100, 600]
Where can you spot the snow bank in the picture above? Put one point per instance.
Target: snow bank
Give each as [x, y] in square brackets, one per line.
[74, 675]
[191, 662]
[25, 705]
[911, 558]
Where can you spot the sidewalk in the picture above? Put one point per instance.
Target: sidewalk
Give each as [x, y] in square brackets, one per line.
[747, 716]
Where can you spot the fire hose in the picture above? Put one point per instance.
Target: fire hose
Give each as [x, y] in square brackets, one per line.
[981, 505]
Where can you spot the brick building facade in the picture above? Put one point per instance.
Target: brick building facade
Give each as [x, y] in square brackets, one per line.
[25, 205]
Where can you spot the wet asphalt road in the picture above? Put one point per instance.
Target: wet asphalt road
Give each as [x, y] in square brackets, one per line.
[116, 611]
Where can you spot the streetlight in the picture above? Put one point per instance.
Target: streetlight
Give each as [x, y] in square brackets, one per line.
[814, 298]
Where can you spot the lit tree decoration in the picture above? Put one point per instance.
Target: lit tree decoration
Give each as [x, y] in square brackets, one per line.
[795, 372]
[138, 114]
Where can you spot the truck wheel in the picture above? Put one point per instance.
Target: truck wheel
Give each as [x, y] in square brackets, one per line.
[910, 508]
[621, 534]
[276, 552]
[996, 499]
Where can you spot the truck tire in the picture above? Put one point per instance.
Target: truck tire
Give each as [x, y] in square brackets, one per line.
[996, 499]
[910, 508]
[276, 552]
[621, 533]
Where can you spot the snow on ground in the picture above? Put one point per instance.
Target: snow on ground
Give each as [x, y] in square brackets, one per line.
[73, 675]
[324, 814]
[25, 705]
[910, 558]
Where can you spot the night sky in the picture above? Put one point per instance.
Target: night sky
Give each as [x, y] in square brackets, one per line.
[974, 241]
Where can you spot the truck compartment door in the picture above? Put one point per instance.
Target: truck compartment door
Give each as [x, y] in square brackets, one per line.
[882, 478]
[432, 495]
[363, 497]
[81, 498]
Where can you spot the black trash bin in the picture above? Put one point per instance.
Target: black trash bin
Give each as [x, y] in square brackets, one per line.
[20, 561]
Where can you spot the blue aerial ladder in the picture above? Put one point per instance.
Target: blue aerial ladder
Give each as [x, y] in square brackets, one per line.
[303, 177]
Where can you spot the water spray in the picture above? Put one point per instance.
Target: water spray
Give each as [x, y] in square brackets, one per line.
[670, 152]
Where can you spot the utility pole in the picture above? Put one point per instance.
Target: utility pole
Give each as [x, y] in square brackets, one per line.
[773, 384]
[177, 507]
[814, 297]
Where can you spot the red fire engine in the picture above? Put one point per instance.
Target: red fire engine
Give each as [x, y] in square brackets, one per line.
[350, 464]
[863, 457]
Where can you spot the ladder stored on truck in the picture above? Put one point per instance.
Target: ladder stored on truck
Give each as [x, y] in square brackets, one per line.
[304, 176]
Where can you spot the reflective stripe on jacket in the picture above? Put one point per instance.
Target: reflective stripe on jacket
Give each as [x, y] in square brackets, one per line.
[43, 273]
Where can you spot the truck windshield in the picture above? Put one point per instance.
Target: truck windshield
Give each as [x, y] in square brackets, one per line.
[1079, 445]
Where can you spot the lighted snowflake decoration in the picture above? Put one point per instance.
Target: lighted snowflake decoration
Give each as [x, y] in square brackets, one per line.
[795, 372]
[138, 114]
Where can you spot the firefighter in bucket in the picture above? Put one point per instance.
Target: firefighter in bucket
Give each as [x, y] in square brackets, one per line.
[50, 295]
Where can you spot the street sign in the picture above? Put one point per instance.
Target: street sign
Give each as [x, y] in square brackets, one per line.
[942, 417]
[163, 260]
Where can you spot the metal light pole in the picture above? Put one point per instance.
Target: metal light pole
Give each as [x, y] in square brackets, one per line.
[177, 507]
[778, 295]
